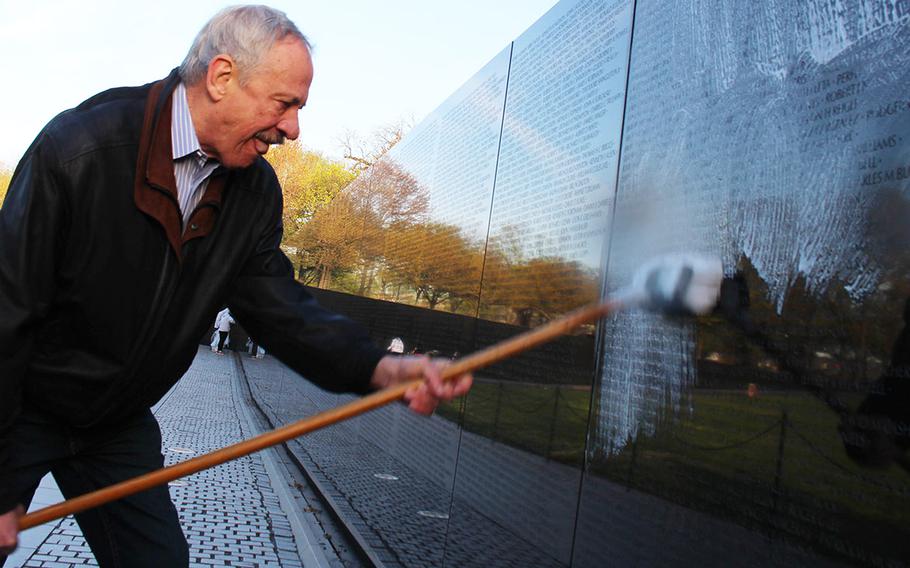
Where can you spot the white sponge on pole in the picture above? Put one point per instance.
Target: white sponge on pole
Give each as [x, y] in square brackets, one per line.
[676, 284]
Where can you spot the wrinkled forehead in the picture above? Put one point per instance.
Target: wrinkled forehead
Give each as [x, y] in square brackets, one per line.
[288, 56]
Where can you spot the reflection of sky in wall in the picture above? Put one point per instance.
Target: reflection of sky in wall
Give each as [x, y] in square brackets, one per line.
[559, 152]
[452, 152]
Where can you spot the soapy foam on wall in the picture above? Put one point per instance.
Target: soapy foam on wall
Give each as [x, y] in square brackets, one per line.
[758, 130]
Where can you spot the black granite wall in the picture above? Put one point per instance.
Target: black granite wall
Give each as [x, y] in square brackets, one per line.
[769, 134]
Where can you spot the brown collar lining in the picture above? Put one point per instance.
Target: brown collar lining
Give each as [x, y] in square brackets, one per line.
[155, 191]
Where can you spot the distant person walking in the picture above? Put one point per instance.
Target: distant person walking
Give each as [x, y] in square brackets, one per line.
[223, 324]
[396, 346]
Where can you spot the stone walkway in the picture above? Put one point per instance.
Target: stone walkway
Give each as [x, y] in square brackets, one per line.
[238, 514]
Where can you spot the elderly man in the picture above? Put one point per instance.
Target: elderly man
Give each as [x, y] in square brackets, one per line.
[130, 221]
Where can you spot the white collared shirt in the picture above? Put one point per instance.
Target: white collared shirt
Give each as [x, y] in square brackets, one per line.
[192, 167]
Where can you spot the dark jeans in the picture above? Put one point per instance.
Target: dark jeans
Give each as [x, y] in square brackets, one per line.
[222, 336]
[139, 530]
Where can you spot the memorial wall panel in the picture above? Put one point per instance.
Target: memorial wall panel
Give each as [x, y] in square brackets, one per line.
[557, 162]
[413, 231]
[520, 459]
[772, 135]
[451, 159]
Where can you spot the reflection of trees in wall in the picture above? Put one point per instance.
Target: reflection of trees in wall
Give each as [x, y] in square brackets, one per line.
[388, 197]
[826, 335]
[830, 336]
[375, 239]
[347, 237]
[530, 291]
[437, 263]
[329, 242]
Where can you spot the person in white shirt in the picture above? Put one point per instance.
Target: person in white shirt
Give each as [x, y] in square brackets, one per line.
[223, 324]
[396, 346]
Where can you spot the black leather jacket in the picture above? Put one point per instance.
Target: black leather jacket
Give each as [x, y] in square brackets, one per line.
[103, 295]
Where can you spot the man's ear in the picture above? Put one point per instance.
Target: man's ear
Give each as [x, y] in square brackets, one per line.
[222, 71]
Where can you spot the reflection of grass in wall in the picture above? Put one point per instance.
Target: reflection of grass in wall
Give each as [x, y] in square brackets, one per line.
[543, 419]
[722, 459]
[820, 497]
[814, 461]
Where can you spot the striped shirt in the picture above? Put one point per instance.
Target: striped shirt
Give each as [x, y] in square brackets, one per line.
[192, 167]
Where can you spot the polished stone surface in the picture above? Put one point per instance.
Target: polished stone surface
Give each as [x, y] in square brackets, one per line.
[768, 134]
[772, 136]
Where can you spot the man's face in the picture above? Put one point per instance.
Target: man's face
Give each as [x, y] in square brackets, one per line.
[262, 111]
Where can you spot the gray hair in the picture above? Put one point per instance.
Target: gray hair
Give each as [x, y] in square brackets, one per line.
[245, 33]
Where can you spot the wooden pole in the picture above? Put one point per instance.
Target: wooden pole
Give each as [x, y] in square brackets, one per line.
[471, 363]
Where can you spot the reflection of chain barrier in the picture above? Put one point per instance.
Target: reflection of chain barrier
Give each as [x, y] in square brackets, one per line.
[519, 397]
[752, 438]
[850, 473]
[540, 407]
[480, 393]
[581, 414]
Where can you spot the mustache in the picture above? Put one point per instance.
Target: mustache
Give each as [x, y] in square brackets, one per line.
[270, 137]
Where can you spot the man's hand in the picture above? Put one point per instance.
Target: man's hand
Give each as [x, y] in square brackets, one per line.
[423, 398]
[9, 530]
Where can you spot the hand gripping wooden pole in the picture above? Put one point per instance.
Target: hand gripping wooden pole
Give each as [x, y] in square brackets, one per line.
[471, 363]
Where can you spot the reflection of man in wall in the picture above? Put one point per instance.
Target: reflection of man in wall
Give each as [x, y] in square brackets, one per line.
[132, 219]
[878, 433]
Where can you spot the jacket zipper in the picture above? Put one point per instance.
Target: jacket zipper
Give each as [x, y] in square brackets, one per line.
[150, 327]
[162, 298]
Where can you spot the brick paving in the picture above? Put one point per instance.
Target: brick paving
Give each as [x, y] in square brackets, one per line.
[230, 514]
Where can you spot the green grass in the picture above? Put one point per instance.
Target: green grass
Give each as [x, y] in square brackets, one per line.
[820, 498]
[813, 462]
[545, 420]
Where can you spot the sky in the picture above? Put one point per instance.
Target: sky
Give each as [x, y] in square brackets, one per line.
[376, 62]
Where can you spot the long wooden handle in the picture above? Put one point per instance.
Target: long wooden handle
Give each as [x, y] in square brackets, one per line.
[471, 363]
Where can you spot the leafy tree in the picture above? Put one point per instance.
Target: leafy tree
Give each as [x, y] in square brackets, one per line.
[308, 181]
[387, 196]
[350, 233]
[5, 177]
[531, 290]
[364, 152]
[335, 233]
[330, 241]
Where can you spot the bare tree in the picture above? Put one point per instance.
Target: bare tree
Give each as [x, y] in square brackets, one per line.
[364, 151]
